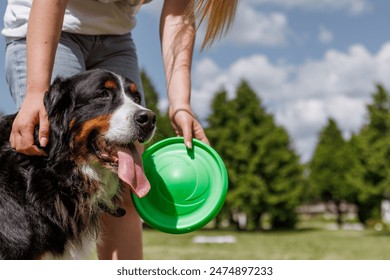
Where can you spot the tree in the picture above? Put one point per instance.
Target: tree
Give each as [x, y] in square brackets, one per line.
[164, 128]
[329, 167]
[372, 145]
[264, 172]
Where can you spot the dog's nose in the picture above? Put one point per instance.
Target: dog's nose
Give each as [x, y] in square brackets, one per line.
[145, 118]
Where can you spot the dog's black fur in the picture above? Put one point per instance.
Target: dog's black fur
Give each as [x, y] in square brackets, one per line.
[47, 202]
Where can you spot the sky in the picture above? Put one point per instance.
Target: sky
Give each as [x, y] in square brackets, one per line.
[307, 61]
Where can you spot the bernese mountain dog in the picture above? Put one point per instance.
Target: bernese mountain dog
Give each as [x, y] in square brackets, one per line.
[50, 205]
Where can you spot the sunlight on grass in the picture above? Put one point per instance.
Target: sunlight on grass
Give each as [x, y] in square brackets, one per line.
[310, 244]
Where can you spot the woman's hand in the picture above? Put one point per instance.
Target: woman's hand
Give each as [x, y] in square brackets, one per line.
[30, 114]
[185, 124]
[43, 33]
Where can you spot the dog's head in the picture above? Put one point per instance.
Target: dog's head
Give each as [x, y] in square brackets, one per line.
[96, 117]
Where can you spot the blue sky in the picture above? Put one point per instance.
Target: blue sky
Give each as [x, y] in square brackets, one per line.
[308, 60]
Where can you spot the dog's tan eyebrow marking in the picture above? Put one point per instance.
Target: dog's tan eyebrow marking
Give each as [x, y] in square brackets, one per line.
[110, 84]
[133, 87]
[101, 123]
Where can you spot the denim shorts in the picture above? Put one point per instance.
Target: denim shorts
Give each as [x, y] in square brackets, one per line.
[75, 53]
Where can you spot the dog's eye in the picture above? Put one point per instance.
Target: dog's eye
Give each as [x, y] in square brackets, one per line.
[104, 94]
[137, 97]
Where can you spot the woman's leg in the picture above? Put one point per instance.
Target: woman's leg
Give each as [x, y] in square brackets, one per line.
[15, 70]
[69, 60]
[121, 237]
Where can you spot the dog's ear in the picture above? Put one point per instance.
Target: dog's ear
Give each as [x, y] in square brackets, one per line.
[59, 102]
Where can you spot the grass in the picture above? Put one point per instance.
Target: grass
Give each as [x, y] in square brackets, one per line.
[303, 244]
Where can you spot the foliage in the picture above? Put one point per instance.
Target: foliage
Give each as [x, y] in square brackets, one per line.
[264, 172]
[329, 169]
[372, 145]
[357, 171]
[164, 128]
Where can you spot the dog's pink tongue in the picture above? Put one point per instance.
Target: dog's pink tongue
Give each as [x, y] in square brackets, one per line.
[131, 172]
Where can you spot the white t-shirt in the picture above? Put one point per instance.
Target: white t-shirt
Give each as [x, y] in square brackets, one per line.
[90, 17]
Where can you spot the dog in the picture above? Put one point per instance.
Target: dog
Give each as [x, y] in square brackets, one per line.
[51, 204]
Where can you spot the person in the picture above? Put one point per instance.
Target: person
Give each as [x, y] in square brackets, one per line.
[63, 37]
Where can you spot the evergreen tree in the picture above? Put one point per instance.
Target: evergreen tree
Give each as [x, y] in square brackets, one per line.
[164, 129]
[329, 169]
[372, 145]
[264, 172]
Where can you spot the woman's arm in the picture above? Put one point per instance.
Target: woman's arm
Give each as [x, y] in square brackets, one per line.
[44, 31]
[177, 35]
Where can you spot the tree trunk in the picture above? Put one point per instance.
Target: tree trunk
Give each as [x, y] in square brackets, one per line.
[339, 214]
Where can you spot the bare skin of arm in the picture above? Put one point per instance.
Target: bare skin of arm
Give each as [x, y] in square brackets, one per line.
[177, 37]
[44, 30]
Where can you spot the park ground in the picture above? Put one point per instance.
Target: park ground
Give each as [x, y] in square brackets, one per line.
[308, 242]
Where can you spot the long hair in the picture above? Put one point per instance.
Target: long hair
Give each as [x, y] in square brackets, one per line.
[218, 15]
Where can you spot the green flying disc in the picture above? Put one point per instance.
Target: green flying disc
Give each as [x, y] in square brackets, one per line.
[188, 186]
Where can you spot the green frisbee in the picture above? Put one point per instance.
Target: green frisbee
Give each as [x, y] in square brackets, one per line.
[188, 186]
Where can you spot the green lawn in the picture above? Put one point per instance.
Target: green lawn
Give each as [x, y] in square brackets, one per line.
[304, 244]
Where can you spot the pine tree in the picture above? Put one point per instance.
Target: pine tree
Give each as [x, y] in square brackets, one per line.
[264, 172]
[164, 128]
[373, 147]
[329, 167]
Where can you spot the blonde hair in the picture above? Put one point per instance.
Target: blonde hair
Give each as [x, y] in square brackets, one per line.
[217, 14]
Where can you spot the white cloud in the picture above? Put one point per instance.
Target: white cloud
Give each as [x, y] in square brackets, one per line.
[302, 97]
[325, 35]
[354, 7]
[349, 73]
[257, 28]
[206, 69]
[253, 27]
[257, 69]
[304, 118]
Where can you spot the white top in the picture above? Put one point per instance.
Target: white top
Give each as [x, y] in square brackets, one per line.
[90, 17]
